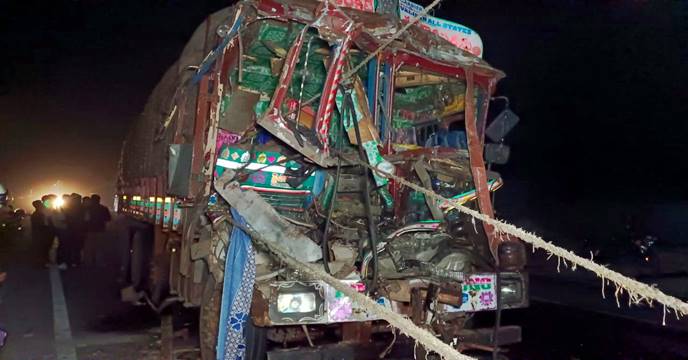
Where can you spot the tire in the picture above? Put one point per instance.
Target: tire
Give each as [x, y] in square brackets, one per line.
[209, 317]
[139, 259]
[256, 337]
[256, 341]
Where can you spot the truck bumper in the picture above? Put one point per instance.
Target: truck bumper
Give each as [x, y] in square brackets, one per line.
[313, 302]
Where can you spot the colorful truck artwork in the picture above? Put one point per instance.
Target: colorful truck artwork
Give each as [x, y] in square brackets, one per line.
[262, 127]
[463, 37]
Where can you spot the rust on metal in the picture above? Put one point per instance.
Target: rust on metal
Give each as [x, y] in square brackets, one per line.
[357, 332]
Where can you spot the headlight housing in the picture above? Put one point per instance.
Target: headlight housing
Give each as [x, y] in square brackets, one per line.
[296, 303]
[513, 291]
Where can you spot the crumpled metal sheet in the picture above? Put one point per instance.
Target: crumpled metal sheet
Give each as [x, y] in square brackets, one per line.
[264, 219]
[376, 28]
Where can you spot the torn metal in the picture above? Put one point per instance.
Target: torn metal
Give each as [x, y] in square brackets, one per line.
[260, 106]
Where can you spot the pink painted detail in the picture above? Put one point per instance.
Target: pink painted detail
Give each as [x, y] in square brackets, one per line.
[360, 287]
[225, 137]
[340, 309]
[258, 177]
[364, 5]
[486, 298]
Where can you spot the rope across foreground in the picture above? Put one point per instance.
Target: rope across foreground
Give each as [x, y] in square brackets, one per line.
[637, 291]
[404, 325]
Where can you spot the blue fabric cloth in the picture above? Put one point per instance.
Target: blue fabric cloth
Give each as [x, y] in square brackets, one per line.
[237, 292]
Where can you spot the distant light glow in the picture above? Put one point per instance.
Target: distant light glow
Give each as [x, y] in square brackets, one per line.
[58, 203]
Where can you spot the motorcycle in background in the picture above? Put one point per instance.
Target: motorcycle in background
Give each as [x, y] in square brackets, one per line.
[11, 222]
[637, 256]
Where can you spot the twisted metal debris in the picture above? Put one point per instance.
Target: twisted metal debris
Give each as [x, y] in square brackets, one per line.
[637, 291]
[404, 325]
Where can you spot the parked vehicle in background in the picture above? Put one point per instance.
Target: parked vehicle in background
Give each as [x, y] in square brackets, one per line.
[257, 117]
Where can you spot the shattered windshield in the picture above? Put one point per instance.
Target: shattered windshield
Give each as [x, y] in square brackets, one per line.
[428, 111]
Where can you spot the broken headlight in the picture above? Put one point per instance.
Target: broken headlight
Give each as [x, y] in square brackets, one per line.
[513, 290]
[296, 303]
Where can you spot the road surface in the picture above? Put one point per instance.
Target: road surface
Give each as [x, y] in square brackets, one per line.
[70, 315]
[77, 315]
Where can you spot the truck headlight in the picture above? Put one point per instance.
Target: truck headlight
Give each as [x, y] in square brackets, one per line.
[513, 290]
[296, 303]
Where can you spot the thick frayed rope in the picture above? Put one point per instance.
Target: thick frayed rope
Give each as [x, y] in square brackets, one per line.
[637, 291]
[404, 325]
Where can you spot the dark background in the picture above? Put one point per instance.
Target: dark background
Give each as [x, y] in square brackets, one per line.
[599, 85]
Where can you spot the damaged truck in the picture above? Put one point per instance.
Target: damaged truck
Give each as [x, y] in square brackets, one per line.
[276, 116]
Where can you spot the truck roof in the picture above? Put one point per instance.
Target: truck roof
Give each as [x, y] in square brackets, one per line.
[418, 47]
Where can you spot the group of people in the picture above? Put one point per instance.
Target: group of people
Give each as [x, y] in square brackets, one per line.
[77, 223]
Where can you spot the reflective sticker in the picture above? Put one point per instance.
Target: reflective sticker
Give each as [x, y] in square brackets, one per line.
[176, 218]
[167, 213]
[158, 210]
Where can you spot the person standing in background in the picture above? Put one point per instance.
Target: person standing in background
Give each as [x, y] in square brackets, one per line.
[40, 231]
[63, 232]
[76, 228]
[97, 217]
[88, 254]
[50, 207]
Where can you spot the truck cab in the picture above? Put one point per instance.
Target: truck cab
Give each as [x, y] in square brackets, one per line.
[308, 122]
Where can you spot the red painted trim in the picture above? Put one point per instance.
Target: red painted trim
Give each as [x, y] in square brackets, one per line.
[327, 103]
[475, 147]
[285, 79]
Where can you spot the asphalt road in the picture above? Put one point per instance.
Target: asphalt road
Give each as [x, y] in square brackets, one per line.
[570, 318]
[77, 315]
[69, 315]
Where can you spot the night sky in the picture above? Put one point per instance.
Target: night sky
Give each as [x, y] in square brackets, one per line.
[600, 87]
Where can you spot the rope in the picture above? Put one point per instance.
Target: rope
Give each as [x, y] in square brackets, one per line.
[637, 291]
[404, 325]
[391, 39]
